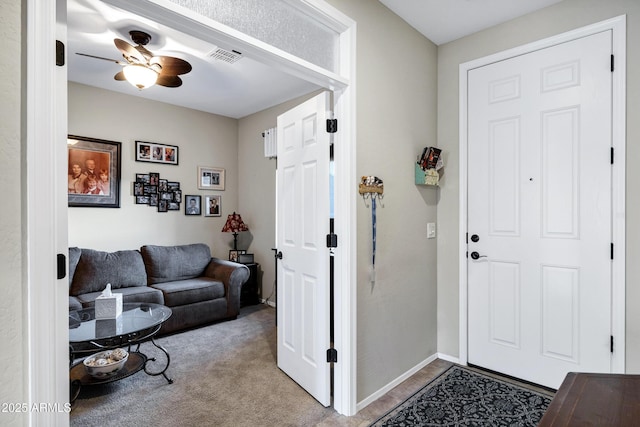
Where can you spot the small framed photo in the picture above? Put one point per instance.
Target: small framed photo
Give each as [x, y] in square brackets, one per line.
[212, 206]
[233, 254]
[142, 200]
[156, 153]
[142, 177]
[210, 178]
[94, 172]
[163, 206]
[149, 189]
[192, 205]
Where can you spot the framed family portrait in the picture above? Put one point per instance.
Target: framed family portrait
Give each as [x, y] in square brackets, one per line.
[93, 172]
[156, 153]
[213, 206]
[192, 205]
[210, 178]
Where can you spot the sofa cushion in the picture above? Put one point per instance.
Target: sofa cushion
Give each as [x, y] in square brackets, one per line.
[132, 294]
[190, 291]
[95, 269]
[170, 263]
[74, 257]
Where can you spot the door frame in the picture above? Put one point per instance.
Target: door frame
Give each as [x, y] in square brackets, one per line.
[45, 138]
[618, 315]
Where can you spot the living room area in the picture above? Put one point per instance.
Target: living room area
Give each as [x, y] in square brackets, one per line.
[231, 145]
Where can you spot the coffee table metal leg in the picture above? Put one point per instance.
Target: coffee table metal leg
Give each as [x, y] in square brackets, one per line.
[74, 392]
[163, 372]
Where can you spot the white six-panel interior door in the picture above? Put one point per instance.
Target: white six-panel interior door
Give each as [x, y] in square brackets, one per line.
[302, 226]
[539, 212]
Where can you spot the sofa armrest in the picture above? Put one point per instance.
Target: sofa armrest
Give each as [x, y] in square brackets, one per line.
[233, 276]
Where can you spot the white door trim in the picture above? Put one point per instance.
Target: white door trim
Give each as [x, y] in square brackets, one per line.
[40, 128]
[618, 27]
[44, 236]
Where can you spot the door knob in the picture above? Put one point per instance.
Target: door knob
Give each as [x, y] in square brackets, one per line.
[475, 238]
[279, 255]
[476, 255]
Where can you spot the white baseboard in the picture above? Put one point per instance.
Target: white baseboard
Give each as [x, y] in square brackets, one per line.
[384, 390]
[448, 358]
[269, 303]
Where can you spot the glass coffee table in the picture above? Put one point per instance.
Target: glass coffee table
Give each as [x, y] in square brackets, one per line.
[139, 322]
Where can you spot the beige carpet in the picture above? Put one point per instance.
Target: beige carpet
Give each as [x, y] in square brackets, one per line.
[224, 375]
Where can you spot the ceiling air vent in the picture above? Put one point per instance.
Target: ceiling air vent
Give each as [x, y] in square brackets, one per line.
[229, 56]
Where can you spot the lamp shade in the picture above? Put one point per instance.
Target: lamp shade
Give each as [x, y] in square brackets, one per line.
[234, 224]
[140, 76]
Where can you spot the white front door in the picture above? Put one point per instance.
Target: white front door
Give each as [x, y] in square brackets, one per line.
[302, 226]
[539, 212]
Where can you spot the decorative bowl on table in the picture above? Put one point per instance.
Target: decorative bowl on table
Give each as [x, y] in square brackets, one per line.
[106, 363]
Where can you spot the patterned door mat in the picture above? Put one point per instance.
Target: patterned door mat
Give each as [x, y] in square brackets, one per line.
[462, 397]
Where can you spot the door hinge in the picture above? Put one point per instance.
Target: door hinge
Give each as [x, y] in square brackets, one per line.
[332, 125]
[611, 343]
[611, 155]
[62, 266]
[612, 63]
[332, 355]
[59, 53]
[612, 251]
[332, 240]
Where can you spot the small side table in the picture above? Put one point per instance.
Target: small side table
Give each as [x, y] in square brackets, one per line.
[249, 295]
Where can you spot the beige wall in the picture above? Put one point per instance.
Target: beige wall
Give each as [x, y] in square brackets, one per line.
[12, 306]
[564, 16]
[203, 139]
[396, 117]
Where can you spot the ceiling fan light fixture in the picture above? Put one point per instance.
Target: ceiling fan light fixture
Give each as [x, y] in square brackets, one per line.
[140, 76]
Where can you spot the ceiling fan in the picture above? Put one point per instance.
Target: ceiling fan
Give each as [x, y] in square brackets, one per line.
[142, 68]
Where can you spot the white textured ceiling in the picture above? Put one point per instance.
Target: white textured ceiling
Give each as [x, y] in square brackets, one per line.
[442, 21]
[233, 90]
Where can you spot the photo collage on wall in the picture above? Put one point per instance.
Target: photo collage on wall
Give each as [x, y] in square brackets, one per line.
[149, 189]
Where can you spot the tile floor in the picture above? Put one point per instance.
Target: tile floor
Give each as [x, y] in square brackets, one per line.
[394, 397]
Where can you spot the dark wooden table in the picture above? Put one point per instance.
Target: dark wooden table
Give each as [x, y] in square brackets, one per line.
[595, 400]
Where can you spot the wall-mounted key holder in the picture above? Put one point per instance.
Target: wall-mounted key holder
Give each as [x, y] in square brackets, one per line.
[371, 187]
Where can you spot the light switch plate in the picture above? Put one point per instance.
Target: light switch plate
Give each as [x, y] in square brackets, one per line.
[431, 230]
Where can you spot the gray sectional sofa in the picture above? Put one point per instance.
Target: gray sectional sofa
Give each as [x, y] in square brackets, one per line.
[199, 289]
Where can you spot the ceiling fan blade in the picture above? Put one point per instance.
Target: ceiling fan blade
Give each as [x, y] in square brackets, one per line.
[171, 66]
[120, 76]
[100, 57]
[129, 51]
[169, 81]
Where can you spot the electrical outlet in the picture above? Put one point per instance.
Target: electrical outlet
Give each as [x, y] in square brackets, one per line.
[431, 230]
